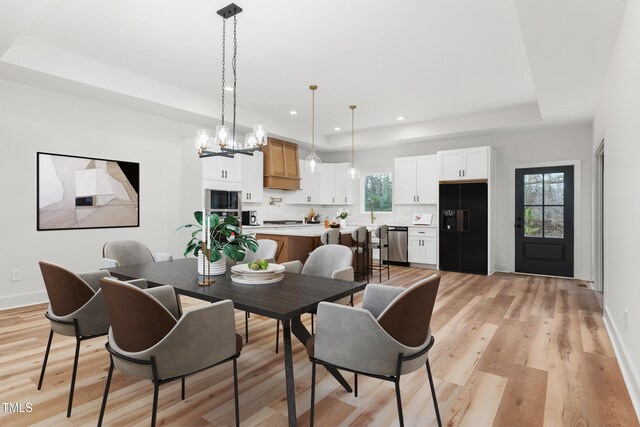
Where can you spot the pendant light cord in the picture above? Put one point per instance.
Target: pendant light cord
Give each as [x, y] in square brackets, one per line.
[224, 40]
[353, 135]
[235, 75]
[313, 117]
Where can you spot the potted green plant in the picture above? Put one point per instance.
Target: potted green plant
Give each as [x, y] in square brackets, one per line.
[225, 238]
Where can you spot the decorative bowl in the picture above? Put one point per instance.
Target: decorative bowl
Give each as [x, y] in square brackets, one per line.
[334, 225]
[261, 275]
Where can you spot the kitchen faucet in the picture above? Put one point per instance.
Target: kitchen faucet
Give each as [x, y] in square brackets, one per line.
[372, 217]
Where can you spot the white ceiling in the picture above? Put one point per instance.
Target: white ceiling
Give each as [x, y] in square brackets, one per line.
[446, 66]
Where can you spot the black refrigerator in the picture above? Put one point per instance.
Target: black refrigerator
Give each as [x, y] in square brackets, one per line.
[464, 227]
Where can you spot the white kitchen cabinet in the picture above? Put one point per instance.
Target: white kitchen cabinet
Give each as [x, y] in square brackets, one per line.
[422, 245]
[475, 163]
[222, 169]
[427, 180]
[415, 180]
[465, 164]
[345, 186]
[328, 184]
[222, 173]
[309, 193]
[252, 178]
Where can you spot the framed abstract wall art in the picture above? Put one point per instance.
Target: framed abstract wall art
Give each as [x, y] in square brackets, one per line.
[77, 192]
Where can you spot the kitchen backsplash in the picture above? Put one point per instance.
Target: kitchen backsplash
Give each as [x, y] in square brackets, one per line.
[402, 214]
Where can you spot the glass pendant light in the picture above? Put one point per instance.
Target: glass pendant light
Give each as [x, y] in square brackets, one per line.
[202, 140]
[260, 134]
[312, 162]
[250, 140]
[353, 172]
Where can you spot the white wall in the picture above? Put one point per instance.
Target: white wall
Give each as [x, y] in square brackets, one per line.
[32, 120]
[531, 145]
[618, 123]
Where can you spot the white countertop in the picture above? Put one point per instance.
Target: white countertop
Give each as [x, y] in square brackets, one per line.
[314, 230]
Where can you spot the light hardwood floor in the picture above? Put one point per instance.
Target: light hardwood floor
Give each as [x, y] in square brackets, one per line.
[510, 350]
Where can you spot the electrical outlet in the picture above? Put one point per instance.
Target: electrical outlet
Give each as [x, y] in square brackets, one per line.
[626, 320]
[16, 275]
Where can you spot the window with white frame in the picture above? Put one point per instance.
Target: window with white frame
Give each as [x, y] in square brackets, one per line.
[377, 191]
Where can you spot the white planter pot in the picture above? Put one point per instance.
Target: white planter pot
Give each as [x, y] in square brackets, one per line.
[343, 223]
[214, 268]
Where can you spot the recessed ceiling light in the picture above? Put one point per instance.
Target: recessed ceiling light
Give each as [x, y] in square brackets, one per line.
[293, 112]
[400, 118]
[336, 128]
[228, 88]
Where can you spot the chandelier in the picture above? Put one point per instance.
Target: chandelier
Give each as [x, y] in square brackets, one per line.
[224, 136]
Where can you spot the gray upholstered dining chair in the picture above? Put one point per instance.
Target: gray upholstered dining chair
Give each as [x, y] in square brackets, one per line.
[150, 338]
[330, 236]
[267, 249]
[360, 237]
[385, 339]
[128, 252]
[381, 243]
[76, 309]
[332, 261]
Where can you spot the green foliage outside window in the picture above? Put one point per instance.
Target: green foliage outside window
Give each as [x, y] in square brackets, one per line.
[377, 192]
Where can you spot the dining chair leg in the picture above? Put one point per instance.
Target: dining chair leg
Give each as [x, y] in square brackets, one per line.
[313, 391]
[235, 391]
[399, 402]
[388, 265]
[277, 336]
[156, 391]
[355, 384]
[246, 326]
[46, 357]
[106, 392]
[311, 323]
[182, 394]
[433, 393]
[73, 377]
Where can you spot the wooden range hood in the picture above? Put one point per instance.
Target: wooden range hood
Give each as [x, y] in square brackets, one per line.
[281, 166]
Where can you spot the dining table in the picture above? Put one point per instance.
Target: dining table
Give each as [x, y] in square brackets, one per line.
[284, 301]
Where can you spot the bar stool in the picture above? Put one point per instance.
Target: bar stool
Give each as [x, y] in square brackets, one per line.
[330, 236]
[360, 238]
[382, 244]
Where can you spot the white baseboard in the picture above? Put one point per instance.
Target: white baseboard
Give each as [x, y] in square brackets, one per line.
[629, 371]
[22, 300]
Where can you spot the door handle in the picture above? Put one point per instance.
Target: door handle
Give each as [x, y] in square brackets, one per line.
[222, 172]
[418, 196]
[345, 200]
[459, 173]
[414, 198]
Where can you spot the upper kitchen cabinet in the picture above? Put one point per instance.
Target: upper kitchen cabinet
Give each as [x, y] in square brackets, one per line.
[465, 164]
[328, 183]
[309, 188]
[345, 186]
[252, 176]
[222, 173]
[281, 167]
[415, 181]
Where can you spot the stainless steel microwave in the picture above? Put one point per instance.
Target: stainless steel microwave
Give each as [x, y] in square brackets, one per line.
[221, 201]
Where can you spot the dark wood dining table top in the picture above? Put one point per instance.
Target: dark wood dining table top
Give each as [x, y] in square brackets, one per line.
[294, 295]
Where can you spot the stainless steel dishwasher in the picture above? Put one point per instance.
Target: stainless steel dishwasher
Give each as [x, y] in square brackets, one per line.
[398, 245]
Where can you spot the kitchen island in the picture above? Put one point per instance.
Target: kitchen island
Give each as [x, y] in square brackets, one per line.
[295, 242]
